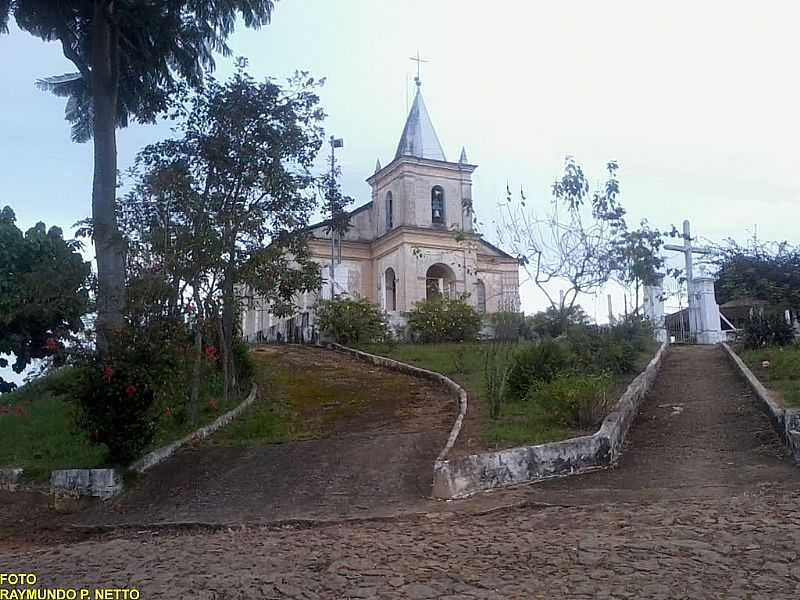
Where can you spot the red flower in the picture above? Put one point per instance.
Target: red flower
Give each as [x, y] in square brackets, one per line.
[107, 373]
[168, 412]
[190, 309]
[20, 410]
[130, 390]
[211, 352]
[211, 404]
[51, 344]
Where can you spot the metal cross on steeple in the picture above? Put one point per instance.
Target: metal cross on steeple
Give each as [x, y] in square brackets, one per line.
[418, 60]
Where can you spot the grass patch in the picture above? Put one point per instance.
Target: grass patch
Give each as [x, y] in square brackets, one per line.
[302, 402]
[174, 428]
[783, 373]
[520, 422]
[38, 432]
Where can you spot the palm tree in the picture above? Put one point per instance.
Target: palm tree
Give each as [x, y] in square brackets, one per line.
[131, 56]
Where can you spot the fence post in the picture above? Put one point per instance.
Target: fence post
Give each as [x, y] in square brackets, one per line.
[654, 307]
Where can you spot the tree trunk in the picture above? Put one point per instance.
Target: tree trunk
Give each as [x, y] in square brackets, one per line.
[225, 364]
[228, 315]
[194, 406]
[109, 247]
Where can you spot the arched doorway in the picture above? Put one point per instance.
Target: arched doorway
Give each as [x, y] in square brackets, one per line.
[390, 286]
[440, 281]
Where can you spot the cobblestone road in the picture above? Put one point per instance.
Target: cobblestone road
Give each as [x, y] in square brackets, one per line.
[742, 547]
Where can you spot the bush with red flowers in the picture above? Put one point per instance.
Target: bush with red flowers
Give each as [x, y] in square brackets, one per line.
[117, 397]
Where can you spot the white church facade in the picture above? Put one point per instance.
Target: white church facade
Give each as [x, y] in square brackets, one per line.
[415, 238]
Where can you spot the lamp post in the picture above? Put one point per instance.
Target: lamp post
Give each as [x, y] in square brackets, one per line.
[335, 143]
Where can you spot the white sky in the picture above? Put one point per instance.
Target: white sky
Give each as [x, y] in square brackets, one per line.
[698, 102]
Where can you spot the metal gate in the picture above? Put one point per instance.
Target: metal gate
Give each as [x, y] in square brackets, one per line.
[676, 319]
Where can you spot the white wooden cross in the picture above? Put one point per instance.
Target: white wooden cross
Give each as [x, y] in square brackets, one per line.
[687, 249]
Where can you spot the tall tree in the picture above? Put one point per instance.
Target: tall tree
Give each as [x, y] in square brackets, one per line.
[43, 292]
[228, 202]
[761, 271]
[636, 260]
[130, 56]
[572, 244]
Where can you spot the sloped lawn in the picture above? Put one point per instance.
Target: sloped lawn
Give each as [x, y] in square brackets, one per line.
[303, 400]
[38, 433]
[520, 422]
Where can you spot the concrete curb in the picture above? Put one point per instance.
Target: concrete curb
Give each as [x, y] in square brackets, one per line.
[396, 365]
[100, 483]
[786, 421]
[159, 455]
[464, 476]
[10, 478]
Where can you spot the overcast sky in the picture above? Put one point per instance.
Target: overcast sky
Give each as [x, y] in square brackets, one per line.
[697, 101]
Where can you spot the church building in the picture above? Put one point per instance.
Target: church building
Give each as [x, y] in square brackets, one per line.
[414, 239]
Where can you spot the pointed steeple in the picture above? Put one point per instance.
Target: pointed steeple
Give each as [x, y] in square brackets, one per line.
[377, 165]
[419, 139]
[463, 158]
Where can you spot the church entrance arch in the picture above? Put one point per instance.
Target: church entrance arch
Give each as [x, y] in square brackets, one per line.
[440, 281]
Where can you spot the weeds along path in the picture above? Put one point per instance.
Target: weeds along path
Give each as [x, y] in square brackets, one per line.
[329, 437]
[699, 433]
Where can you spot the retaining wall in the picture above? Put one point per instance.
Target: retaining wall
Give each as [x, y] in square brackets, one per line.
[100, 483]
[463, 476]
[10, 479]
[786, 421]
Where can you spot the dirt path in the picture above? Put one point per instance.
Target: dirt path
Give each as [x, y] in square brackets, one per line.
[375, 456]
[699, 434]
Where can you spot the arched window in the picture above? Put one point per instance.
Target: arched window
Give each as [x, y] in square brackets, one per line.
[391, 290]
[437, 205]
[389, 210]
[480, 296]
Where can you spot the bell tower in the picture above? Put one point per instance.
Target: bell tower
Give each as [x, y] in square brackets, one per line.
[420, 188]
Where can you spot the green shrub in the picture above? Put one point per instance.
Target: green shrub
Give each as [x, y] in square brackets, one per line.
[571, 399]
[442, 319]
[614, 349]
[243, 362]
[538, 361]
[352, 320]
[496, 369]
[553, 322]
[117, 398]
[511, 326]
[117, 409]
[769, 329]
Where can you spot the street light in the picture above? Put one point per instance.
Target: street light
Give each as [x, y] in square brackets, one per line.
[335, 143]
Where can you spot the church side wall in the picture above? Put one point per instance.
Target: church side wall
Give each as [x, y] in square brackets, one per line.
[501, 280]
